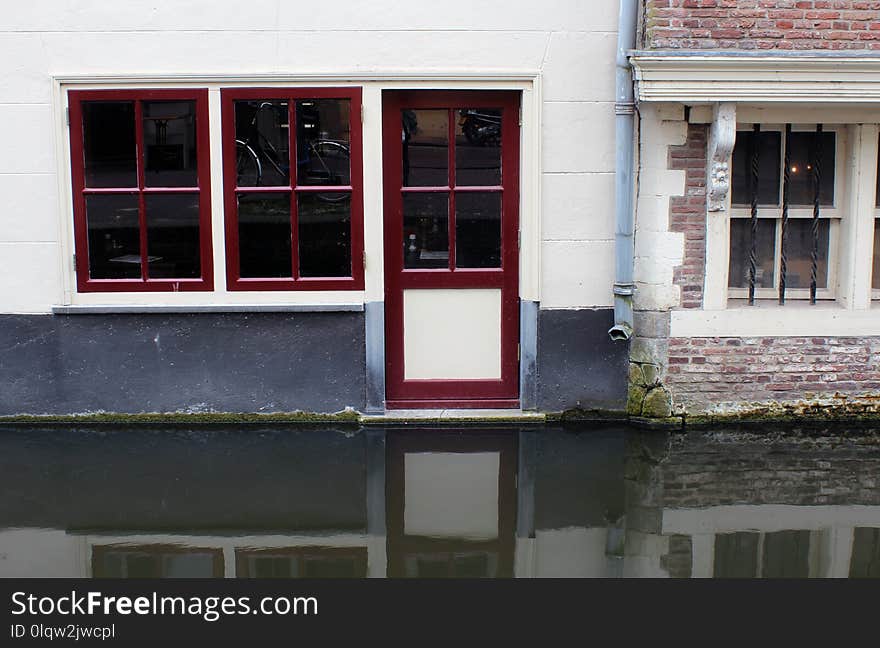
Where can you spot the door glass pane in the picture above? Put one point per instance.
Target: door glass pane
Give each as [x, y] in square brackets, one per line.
[170, 144]
[478, 147]
[740, 247]
[324, 234]
[798, 251]
[426, 230]
[323, 142]
[801, 168]
[262, 143]
[769, 164]
[114, 237]
[264, 235]
[478, 229]
[109, 144]
[425, 148]
[173, 236]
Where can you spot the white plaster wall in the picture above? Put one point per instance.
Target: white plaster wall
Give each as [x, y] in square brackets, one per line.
[574, 552]
[569, 42]
[658, 251]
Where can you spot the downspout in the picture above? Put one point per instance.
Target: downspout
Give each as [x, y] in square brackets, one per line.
[624, 109]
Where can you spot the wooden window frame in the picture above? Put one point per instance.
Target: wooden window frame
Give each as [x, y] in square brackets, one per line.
[84, 283]
[234, 281]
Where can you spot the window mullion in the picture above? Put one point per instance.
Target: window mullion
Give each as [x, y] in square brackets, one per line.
[140, 159]
[294, 180]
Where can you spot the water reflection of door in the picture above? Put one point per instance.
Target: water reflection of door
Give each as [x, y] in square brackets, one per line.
[451, 179]
[451, 504]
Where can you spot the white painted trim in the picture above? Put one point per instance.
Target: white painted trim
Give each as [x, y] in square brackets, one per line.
[373, 83]
[764, 79]
[771, 320]
[767, 517]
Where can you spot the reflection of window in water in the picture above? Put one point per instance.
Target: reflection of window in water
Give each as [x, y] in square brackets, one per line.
[781, 554]
[156, 562]
[865, 561]
[302, 562]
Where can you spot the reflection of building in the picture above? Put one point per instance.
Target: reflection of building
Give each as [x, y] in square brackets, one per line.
[431, 503]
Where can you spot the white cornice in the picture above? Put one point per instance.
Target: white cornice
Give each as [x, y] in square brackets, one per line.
[697, 77]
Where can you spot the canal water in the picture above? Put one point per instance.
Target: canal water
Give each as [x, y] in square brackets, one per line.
[537, 501]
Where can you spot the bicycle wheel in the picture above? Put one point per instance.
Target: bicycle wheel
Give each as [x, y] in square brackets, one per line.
[328, 164]
[248, 170]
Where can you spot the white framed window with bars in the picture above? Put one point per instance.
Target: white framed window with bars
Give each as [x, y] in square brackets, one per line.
[787, 200]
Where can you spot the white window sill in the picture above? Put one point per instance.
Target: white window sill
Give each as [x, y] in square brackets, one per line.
[205, 308]
[768, 319]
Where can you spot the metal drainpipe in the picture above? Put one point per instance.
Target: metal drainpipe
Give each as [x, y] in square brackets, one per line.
[624, 108]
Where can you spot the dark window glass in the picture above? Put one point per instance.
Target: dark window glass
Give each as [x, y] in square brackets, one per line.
[798, 252]
[262, 143]
[272, 567]
[341, 567]
[426, 230]
[740, 247]
[865, 561]
[478, 230]
[769, 147]
[170, 144]
[478, 147]
[475, 565]
[148, 564]
[109, 144]
[173, 236]
[324, 234]
[425, 135]
[736, 555]
[801, 168]
[264, 235]
[323, 141]
[114, 236]
[786, 554]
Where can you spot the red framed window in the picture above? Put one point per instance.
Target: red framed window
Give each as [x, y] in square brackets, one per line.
[141, 190]
[293, 188]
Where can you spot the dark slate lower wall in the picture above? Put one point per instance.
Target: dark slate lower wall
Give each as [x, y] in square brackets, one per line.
[231, 362]
[579, 366]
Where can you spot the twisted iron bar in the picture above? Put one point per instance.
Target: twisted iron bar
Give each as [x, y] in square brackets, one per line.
[816, 179]
[786, 180]
[753, 186]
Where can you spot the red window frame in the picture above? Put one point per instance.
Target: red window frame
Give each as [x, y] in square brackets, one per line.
[234, 281]
[84, 282]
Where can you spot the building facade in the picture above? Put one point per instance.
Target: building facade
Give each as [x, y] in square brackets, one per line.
[228, 208]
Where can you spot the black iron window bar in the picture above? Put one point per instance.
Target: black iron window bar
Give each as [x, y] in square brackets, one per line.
[815, 180]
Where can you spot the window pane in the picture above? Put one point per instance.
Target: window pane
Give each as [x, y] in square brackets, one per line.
[114, 237]
[324, 234]
[316, 567]
[798, 250]
[786, 554]
[740, 247]
[769, 147]
[173, 236]
[426, 230]
[262, 143]
[478, 147]
[736, 555]
[323, 142]
[801, 168]
[109, 144]
[264, 235]
[875, 276]
[865, 561]
[425, 148]
[170, 144]
[478, 230]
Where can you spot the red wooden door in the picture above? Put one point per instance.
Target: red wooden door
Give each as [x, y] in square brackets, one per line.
[451, 183]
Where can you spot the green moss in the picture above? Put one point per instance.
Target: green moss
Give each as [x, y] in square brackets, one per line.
[658, 404]
[347, 416]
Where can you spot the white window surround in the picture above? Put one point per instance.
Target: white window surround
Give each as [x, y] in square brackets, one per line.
[804, 89]
[220, 299]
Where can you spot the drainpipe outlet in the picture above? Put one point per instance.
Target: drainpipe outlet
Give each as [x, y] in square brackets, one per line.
[620, 332]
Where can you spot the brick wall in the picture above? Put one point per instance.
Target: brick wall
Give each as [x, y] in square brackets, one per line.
[739, 372]
[762, 24]
[687, 214]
